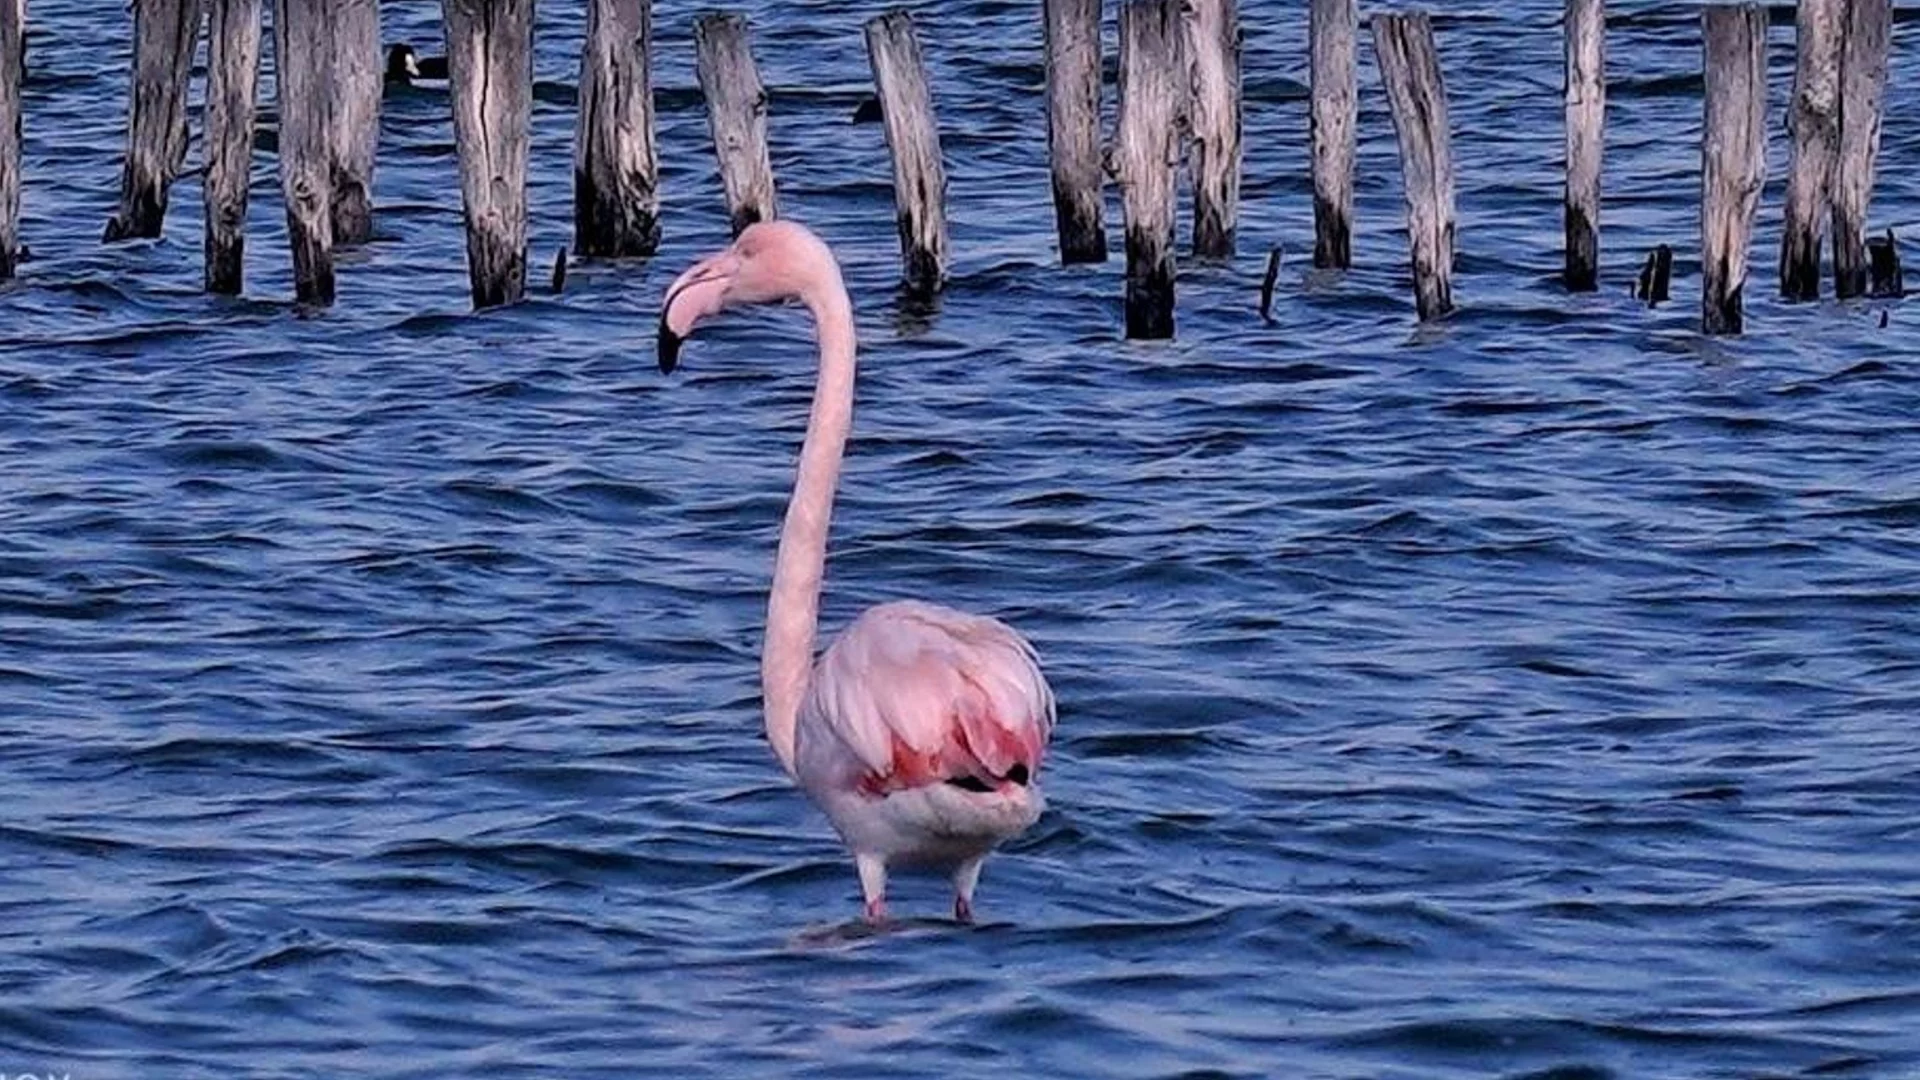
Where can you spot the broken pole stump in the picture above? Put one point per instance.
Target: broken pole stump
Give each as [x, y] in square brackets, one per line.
[164, 32]
[1813, 121]
[1410, 66]
[1733, 156]
[1213, 48]
[1863, 84]
[1586, 101]
[354, 123]
[303, 63]
[736, 117]
[616, 160]
[1332, 33]
[1073, 128]
[1656, 276]
[490, 70]
[1883, 253]
[1151, 87]
[233, 84]
[13, 43]
[913, 140]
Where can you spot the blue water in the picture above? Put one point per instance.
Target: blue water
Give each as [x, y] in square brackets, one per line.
[1531, 695]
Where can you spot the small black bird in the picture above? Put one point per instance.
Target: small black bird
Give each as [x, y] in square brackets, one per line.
[408, 67]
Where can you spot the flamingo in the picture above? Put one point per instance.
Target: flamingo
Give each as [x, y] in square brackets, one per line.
[920, 730]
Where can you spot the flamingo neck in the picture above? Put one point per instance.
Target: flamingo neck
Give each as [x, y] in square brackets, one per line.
[793, 605]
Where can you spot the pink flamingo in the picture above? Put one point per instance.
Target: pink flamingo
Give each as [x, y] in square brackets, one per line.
[921, 729]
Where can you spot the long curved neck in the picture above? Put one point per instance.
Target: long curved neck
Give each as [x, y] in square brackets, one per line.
[793, 606]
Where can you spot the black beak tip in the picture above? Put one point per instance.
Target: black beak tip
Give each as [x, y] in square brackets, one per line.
[669, 349]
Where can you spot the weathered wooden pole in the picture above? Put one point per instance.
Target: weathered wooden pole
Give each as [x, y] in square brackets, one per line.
[354, 123]
[490, 70]
[1332, 33]
[303, 63]
[1733, 156]
[1410, 66]
[1863, 85]
[1146, 149]
[1586, 96]
[1813, 119]
[616, 162]
[1073, 127]
[1213, 47]
[164, 32]
[736, 116]
[233, 81]
[913, 139]
[13, 43]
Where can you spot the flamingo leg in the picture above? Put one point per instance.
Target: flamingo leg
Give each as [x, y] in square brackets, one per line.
[873, 884]
[965, 877]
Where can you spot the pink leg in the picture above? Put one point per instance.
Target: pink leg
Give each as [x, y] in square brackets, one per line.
[962, 909]
[873, 885]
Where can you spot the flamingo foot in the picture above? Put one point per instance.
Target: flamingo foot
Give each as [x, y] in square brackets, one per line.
[876, 911]
[962, 910]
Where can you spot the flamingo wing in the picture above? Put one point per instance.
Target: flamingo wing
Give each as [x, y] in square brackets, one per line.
[913, 694]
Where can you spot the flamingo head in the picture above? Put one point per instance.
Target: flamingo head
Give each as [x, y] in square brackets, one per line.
[769, 261]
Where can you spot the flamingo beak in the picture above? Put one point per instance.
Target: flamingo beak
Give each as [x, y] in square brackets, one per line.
[699, 292]
[669, 346]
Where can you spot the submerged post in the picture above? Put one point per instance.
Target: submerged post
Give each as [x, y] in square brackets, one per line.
[1073, 127]
[303, 62]
[354, 124]
[1863, 85]
[164, 32]
[1145, 151]
[1332, 33]
[1586, 96]
[736, 116]
[233, 80]
[490, 68]
[1813, 119]
[616, 163]
[1733, 156]
[1410, 66]
[1213, 44]
[913, 139]
[13, 43]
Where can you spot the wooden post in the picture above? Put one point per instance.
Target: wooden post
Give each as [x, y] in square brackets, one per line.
[490, 69]
[1213, 44]
[1863, 84]
[1586, 97]
[1152, 81]
[1813, 119]
[303, 62]
[164, 32]
[1410, 66]
[1332, 32]
[354, 123]
[913, 138]
[1073, 127]
[1656, 275]
[1733, 155]
[13, 43]
[736, 116]
[616, 162]
[233, 80]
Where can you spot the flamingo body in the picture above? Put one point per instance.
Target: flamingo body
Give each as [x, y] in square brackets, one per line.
[921, 737]
[920, 731]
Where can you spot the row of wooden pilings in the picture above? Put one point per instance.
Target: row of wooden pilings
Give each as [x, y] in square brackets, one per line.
[1178, 82]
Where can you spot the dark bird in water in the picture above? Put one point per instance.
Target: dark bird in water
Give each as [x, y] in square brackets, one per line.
[408, 67]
